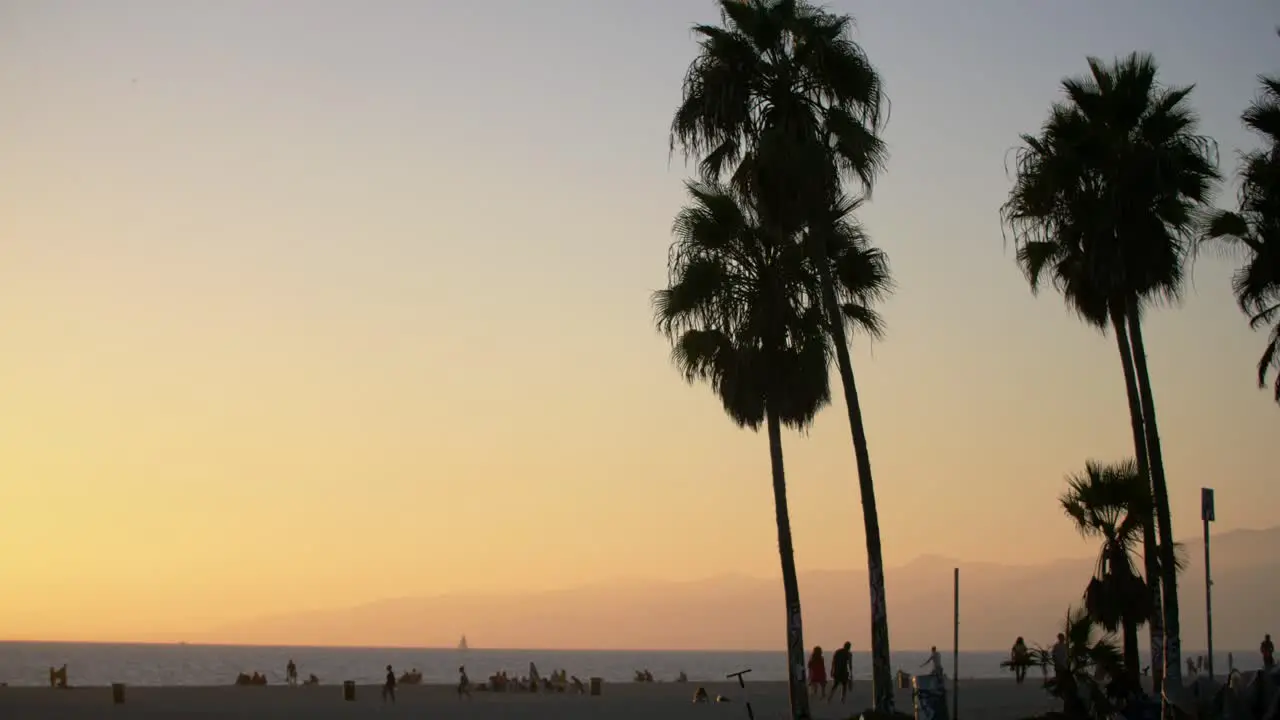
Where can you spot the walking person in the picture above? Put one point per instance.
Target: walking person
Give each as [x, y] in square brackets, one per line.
[1019, 657]
[817, 673]
[291, 673]
[841, 671]
[464, 683]
[1268, 652]
[389, 687]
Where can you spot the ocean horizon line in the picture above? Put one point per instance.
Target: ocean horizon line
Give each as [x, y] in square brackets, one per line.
[945, 651]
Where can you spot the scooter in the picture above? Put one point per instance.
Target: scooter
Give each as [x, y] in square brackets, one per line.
[743, 684]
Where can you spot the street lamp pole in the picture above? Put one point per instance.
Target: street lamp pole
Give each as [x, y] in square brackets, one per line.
[1206, 515]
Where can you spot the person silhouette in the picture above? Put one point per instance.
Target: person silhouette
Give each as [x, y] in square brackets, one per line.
[464, 682]
[935, 658]
[389, 687]
[841, 671]
[1019, 659]
[817, 673]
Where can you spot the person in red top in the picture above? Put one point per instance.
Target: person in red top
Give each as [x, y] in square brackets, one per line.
[817, 673]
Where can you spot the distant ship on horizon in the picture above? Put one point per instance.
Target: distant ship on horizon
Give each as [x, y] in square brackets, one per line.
[462, 644]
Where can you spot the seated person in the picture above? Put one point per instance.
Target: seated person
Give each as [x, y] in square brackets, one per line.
[701, 696]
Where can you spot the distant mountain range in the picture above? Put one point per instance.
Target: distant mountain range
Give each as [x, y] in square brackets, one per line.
[998, 602]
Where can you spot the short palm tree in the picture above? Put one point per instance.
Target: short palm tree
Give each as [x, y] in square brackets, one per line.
[783, 105]
[1104, 207]
[1254, 227]
[1112, 503]
[1091, 655]
[738, 313]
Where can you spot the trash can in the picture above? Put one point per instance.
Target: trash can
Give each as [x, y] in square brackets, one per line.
[929, 693]
[117, 693]
[349, 690]
[597, 685]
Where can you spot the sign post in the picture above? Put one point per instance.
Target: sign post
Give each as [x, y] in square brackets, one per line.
[1206, 515]
[955, 653]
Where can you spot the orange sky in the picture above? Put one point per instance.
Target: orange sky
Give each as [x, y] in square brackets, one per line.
[297, 312]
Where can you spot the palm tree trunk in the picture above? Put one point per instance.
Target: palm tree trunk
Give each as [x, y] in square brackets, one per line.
[790, 583]
[1132, 659]
[882, 690]
[1160, 495]
[1149, 549]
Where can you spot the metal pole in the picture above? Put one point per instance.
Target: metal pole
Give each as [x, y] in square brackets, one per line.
[1208, 598]
[955, 654]
[1207, 515]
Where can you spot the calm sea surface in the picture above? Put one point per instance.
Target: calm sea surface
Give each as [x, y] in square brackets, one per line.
[102, 664]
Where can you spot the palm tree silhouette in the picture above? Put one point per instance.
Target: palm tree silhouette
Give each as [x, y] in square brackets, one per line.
[1113, 504]
[782, 105]
[742, 312]
[1103, 206]
[1254, 227]
[734, 313]
[1091, 652]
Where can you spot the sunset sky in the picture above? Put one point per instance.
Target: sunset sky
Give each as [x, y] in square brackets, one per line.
[306, 304]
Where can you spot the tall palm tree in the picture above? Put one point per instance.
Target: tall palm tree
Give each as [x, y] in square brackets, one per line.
[1048, 229]
[1104, 204]
[1113, 504]
[741, 312]
[1254, 228]
[783, 105]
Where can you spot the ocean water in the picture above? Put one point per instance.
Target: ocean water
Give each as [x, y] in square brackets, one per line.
[101, 664]
[23, 663]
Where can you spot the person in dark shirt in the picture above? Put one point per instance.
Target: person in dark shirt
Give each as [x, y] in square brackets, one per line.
[389, 687]
[1268, 652]
[841, 671]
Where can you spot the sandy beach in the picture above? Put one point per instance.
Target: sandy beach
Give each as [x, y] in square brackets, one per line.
[987, 699]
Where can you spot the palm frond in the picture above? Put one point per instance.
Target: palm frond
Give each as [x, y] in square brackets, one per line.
[786, 80]
[1253, 228]
[740, 311]
[1118, 180]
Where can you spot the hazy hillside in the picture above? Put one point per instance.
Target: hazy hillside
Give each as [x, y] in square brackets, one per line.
[997, 603]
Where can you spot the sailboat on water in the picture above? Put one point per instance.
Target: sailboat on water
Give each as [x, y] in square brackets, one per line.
[462, 644]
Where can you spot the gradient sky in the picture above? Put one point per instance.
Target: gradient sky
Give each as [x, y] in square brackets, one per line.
[304, 304]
